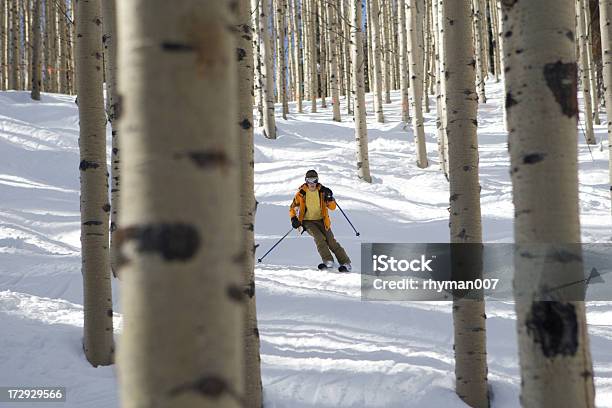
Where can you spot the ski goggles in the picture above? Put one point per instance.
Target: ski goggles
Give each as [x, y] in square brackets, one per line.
[312, 180]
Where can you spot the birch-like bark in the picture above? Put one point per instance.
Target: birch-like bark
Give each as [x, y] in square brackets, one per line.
[267, 71]
[465, 219]
[53, 75]
[35, 94]
[95, 208]
[322, 52]
[441, 88]
[299, 58]
[361, 128]
[281, 34]
[377, 54]
[63, 40]
[584, 74]
[330, 10]
[605, 26]
[586, 10]
[258, 74]
[109, 40]
[416, 86]
[404, 78]
[542, 110]
[348, 68]
[248, 205]
[479, 52]
[312, 58]
[386, 49]
[183, 297]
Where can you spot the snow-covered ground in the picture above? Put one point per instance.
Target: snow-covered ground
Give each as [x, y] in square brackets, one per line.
[321, 345]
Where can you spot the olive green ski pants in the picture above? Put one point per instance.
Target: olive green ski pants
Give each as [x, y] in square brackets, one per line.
[325, 241]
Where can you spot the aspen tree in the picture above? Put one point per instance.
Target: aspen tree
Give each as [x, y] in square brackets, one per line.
[98, 307]
[465, 218]
[584, 73]
[257, 57]
[605, 25]
[183, 301]
[3, 45]
[248, 205]
[440, 85]
[416, 86]
[361, 129]
[344, 20]
[333, 60]
[36, 51]
[63, 64]
[591, 65]
[299, 65]
[109, 40]
[377, 55]
[479, 51]
[369, 48]
[14, 44]
[312, 57]
[542, 110]
[281, 33]
[322, 52]
[404, 78]
[267, 71]
[383, 16]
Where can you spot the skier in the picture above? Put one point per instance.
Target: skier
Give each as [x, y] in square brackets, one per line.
[313, 200]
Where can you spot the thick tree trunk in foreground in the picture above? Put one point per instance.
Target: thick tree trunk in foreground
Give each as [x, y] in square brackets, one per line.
[542, 110]
[183, 300]
[361, 128]
[98, 338]
[465, 221]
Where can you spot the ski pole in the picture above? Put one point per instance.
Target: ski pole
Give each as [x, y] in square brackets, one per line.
[274, 246]
[349, 221]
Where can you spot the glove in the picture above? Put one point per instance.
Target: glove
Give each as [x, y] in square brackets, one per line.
[295, 223]
[327, 194]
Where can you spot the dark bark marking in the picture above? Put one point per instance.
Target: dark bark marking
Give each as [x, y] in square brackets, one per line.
[554, 325]
[533, 158]
[209, 386]
[109, 312]
[256, 332]
[173, 242]
[454, 197]
[235, 293]
[176, 47]
[85, 165]
[241, 53]
[210, 158]
[562, 79]
[245, 124]
[106, 207]
[250, 289]
[510, 101]
[563, 256]
[92, 223]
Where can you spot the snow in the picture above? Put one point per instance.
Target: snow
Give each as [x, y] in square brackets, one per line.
[321, 345]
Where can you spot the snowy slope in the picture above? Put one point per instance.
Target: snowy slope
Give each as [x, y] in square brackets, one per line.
[321, 345]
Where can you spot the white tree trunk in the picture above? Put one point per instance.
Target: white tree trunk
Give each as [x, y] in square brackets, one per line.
[98, 327]
[386, 49]
[281, 33]
[416, 86]
[605, 25]
[248, 205]
[584, 74]
[465, 219]
[376, 55]
[258, 73]
[333, 59]
[183, 300]
[542, 110]
[361, 128]
[109, 39]
[479, 51]
[404, 78]
[267, 71]
[441, 88]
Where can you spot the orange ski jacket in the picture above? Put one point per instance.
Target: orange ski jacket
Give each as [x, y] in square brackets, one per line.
[299, 201]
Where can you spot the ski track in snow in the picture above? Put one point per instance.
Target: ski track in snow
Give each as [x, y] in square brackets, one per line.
[321, 345]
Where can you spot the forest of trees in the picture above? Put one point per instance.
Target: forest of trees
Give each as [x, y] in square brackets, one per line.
[183, 84]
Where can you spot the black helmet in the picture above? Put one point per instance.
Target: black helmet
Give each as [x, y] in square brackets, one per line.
[311, 176]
